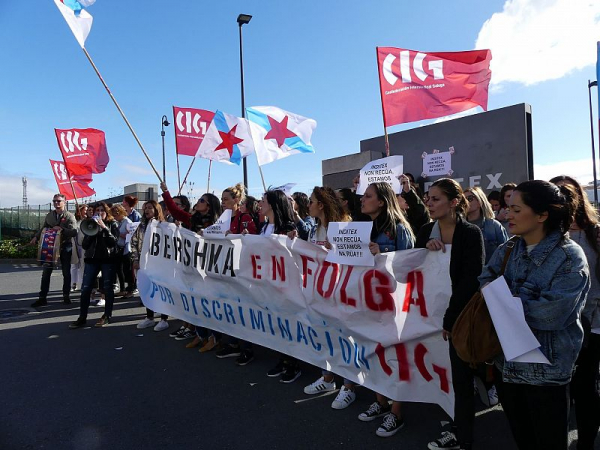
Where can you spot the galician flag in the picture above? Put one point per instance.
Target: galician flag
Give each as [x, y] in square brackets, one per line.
[78, 19]
[227, 139]
[278, 134]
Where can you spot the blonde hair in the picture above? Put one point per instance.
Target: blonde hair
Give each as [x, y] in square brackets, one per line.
[237, 192]
[485, 206]
[118, 210]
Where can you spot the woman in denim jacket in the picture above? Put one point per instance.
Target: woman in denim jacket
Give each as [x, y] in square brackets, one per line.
[550, 274]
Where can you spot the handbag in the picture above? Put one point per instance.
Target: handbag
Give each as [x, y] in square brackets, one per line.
[473, 334]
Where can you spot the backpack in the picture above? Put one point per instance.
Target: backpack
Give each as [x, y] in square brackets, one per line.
[473, 334]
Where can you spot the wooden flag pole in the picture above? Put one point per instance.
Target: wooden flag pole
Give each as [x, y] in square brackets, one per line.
[387, 141]
[68, 175]
[122, 114]
[209, 167]
[178, 173]
[262, 177]
[186, 175]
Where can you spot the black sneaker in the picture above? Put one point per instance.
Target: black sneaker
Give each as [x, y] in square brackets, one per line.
[79, 323]
[374, 411]
[277, 370]
[390, 426]
[290, 375]
[187, 334]
[39, 303]
[245, 358]
[228, 351]
[447, 441]
[177, 332]
[67, 301]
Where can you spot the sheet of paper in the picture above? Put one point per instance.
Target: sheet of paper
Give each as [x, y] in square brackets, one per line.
[217, 231]
[436, 164]
[131, 227]
[506, 311]
[382, 170]
[350, 243]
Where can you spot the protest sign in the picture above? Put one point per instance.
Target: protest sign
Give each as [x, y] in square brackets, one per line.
[378, 326]
[131, 227]
[436, 164]
[385, 170]
[350, 243]
[220, 227]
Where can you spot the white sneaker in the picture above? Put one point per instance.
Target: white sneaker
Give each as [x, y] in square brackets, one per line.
[162, 325]
[101, 302]
[344, 398]
[319, 386]
[146, 323]
[493, 396]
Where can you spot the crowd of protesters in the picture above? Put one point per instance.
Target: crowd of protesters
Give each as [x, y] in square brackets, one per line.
[552, 266]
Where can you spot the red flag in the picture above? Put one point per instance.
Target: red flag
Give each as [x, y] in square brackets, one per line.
[416, 86]
[80, 182]
[190, 128]
[83, 150]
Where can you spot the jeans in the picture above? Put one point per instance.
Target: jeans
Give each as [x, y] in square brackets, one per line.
[538, 415]
[65, 262]
[90, 273]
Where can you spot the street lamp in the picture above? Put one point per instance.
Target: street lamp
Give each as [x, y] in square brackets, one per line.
[242, 20]
[590, 85]
[164, 123]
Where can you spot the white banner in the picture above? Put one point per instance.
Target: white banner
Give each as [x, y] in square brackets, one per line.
[378, 326]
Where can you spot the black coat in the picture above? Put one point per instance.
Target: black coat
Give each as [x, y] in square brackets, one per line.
[102, 246]
[467, 258]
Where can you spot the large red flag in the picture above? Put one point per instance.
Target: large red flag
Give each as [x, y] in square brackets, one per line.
[190, 128]
[83, 150]
[416, 86]
[80, 182]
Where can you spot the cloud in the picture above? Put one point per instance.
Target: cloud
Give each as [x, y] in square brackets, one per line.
[539, 40]
[580, 169]
[39, 191]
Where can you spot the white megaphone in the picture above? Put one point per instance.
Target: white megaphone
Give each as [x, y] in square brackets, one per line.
[89, 227]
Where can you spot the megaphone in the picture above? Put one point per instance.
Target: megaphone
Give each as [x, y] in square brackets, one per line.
[89, 227]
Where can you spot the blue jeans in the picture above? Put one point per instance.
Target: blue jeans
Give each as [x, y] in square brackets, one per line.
[90, 273]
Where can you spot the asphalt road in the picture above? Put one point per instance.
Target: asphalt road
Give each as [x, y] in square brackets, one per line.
[122, 388]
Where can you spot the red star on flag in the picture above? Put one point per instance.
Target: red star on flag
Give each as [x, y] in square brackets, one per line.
[229, 140]
[279, 131]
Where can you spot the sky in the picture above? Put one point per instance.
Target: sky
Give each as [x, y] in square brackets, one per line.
[313, 58]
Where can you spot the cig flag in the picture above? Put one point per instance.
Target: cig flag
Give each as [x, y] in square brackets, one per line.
[416, 86]
[278, 134]
[83, 150]
[81, 183]
[191, 126]
[227, 139]
[78, 19]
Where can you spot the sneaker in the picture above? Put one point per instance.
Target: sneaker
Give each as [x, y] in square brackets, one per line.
[245, 358]
[481, 390]
[128, 294]
[135, 293]
[146, 323]
[290, 374]
[344, 398]
[493, 396]
[319, 386]
[374, 411]
[277, 370]
[79, 323]
[209, 345]
[102, 322]
[194, 343]
[390, 426]
[101, 302]
[39, 303]
[66, 301]
[177, 332]
[447, 441]
[161, 325]
[228, 352]
[187, 334]
[74, 287]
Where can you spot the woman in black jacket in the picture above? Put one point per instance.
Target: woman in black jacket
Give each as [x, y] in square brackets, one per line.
[100, 256]
[447, 207]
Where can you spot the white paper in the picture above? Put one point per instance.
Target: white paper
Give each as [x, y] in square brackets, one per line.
[217, 231]
[350, 243]
[435, 164]
[515, 336]
[131, 227]
[382, 170]
[286, 189]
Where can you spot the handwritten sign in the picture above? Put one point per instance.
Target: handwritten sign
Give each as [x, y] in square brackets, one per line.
[217, 231]
[436, 164]
[350, 243]
[386, 170]
[131, 227]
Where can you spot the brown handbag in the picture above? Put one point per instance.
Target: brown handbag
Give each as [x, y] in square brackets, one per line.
[473, 334]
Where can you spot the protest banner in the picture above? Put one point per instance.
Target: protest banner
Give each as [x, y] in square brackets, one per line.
[386, 170]
[377, 326]
[350, 243]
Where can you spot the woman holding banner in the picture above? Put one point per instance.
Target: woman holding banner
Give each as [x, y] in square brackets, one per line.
[391, 232]
[448, 207]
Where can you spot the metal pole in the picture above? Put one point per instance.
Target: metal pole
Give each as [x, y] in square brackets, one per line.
[590, 84]
[244, 164]
[164, 123]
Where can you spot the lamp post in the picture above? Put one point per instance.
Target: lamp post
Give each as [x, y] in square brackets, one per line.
[164, 123]
[242, 20]
[590, 85]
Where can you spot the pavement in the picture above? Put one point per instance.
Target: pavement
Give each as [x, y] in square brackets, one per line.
[122, 388]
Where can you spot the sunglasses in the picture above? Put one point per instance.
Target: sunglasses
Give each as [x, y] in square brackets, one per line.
[202, 200]
[470, 198]
[100, 210]
[56, 201]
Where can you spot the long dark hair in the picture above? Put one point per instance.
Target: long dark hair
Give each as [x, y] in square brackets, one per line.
[282, 211]
[506, 187]
[185, 202]
[109, 216]
[199, 221]
[560, 203]
[452, 190]
[332, 208]
[158, 213]
[391, 215]
[301, 200]
[353, 202]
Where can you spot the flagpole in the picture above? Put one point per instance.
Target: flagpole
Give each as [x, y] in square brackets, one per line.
[209, 167]
[68, 175]
[186, 175]
[387, 141]
[262, 177]
[122, 113]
